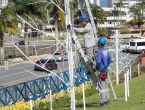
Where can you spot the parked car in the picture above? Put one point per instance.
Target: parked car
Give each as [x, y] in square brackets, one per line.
[126, 48]
[20, 42]
[49, 28]
[60, 57]
[50, 65]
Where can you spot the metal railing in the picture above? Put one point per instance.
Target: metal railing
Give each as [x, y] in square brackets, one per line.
[39, 88]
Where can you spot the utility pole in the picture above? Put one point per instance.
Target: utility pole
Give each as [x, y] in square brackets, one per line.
[117, 52]
[26, 43]
[70, 53]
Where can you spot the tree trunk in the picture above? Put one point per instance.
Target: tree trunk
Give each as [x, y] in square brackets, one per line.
[26, 45]
[43, 34]
[96, 23]
[25, 35]
[48, 17]
[2, 55]
[1, 48]
[97, 17]
[56, 32]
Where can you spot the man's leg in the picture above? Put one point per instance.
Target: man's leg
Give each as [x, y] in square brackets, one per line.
[92, 74]
[104, 91]
[94, 80]
[90, 52]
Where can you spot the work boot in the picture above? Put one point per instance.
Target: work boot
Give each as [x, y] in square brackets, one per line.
[101, 105]
[107, 102]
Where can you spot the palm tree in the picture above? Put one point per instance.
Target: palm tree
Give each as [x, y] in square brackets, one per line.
[118, 6]
[142, 9]
[31, 13]
[58, 17]
[137, 11]
[8, 23]
[99, 13]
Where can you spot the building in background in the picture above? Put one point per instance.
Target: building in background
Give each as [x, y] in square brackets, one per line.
[109, 3]
[116, 15]
[103, 3]
[106, 3]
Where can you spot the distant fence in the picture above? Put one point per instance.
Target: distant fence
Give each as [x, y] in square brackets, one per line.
[12, 52]
[40, 87]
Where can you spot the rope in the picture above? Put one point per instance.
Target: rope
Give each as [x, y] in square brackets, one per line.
[39, 65]
[38, 29]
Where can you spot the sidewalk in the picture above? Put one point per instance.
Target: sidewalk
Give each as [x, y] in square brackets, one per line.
[12, 62]
[17, 61]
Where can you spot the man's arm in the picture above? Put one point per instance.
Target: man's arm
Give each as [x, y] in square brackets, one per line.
[98, 60]
[80, 30]
[109, 59]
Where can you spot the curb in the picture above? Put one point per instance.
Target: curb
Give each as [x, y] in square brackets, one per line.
[19, 63]
[2, 67]
[14, 64]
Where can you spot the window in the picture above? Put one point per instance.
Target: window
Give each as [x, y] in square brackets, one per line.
[141, 44]
[57, 54]
[134, 32]
[132, 43]
[51, 61]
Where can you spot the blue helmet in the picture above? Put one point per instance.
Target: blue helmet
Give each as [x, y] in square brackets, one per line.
[102, 41]
[84, 18]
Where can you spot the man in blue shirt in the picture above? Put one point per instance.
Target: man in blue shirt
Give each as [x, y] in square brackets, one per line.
[103, 61]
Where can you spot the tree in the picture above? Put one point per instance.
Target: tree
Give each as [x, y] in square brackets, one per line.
[137, 11]
[56, 14]
[124, 31]
[31, 11]
[102, 32]
[119, 5]
[58, 17]
[99, 13]
[117, 9]
[8, 23]
[31, 8]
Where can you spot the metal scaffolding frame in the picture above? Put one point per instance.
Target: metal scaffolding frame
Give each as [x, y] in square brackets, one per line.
[39, 88]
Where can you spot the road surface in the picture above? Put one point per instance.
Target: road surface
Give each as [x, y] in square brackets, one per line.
[23, 72]
[125, 59]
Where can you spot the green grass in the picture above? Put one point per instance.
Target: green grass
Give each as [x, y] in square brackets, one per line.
[136, 100]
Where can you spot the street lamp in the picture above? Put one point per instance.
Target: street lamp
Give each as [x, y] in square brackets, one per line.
[3, 4]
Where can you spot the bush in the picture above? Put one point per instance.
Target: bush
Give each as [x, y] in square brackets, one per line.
[60, 100]
[102, 32]
[124, 31]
